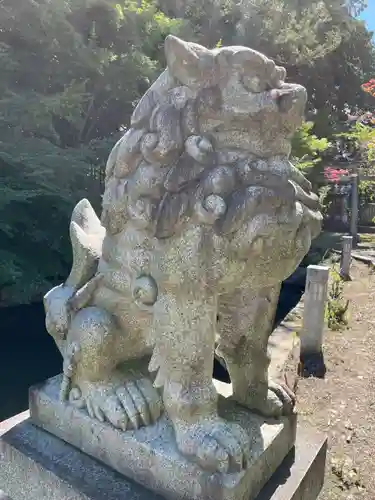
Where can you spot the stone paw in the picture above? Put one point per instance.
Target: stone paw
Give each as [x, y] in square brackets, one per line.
[285, 395]
[277, 401]
[141, 402]
[134, 404]
[214, 444]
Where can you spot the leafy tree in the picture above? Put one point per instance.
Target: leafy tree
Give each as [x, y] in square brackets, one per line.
[321, 44]
[322, 47]
[73, 70]
[360, 139]
[307, 148]
[71, 73]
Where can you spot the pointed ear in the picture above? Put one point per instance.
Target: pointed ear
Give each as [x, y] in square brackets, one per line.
[281, 73]
[253, 61]
[192, 64]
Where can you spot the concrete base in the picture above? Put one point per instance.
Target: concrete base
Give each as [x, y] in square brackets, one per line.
[38, 466]
[301, 475]
[150, 456]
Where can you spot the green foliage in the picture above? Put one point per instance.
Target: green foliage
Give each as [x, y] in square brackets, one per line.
[366, 192]
[322, 46]
[39, 185]
[362, 139]
[72, 71]
[324, 199]
[337, 307]
[71, 75]
[304, 31]
[307, 147]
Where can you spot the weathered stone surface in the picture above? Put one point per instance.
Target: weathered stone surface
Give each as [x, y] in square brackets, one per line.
[284, 350]
[150, 456]
[203, 217]
[8, 424]
[3, 496]
[36, 465]
[284, 353]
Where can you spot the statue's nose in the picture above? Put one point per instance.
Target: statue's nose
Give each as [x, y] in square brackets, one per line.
[291, 96]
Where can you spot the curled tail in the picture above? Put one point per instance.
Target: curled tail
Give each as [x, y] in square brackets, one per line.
[61, 303]
[86, 236]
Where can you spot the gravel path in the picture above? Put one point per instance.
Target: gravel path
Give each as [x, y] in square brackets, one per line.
[343, 405]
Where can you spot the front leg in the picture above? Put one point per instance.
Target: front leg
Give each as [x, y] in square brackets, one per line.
[94, 348]
[246, 320]
[184, 353]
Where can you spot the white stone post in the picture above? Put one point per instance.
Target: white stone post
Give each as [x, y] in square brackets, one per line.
[311, 337]
[346, 256]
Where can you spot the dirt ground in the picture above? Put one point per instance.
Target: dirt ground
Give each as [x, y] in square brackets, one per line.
[343, 404]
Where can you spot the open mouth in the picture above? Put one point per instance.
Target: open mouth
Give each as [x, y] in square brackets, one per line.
[290, 98]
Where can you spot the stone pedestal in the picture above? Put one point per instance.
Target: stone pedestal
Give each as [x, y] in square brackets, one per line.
[35, 465]
[150, 457]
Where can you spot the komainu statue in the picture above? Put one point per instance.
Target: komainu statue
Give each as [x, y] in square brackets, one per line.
[203, 217]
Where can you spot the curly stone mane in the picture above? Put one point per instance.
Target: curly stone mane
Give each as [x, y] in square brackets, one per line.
[203, 218]
[163, 171]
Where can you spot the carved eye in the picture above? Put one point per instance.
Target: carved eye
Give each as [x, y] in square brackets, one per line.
[254, 84]
[145, 290]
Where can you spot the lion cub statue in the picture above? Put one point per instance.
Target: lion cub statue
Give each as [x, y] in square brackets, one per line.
[203, 217]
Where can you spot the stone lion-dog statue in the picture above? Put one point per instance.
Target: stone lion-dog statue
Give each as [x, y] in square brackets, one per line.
[203, 217]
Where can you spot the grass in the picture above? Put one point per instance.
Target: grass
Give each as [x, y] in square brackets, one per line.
[367, 239]
[337, 306]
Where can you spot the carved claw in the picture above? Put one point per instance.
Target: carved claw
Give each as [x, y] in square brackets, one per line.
[151, 398]
[276, 401]
[130, 406]
[68, 370]
[285, 395]
[216, 445]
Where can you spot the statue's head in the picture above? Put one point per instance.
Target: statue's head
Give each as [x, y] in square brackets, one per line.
[209, 143]
[243, 100]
